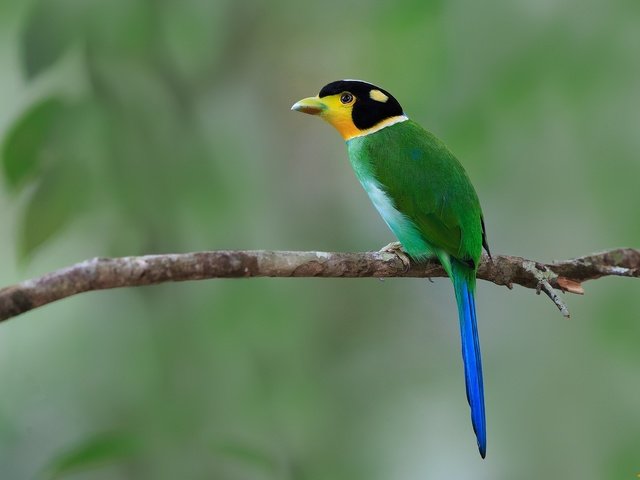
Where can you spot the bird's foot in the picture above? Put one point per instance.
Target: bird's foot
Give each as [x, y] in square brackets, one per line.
[396, 249]
[430, 264]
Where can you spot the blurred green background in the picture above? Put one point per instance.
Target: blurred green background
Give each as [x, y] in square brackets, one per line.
[142, 126]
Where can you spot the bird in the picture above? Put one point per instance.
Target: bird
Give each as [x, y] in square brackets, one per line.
[423, 194]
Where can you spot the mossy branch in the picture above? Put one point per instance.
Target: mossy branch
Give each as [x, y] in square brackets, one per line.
[106, 273]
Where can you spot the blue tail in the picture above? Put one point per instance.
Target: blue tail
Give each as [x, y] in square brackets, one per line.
[464, 285]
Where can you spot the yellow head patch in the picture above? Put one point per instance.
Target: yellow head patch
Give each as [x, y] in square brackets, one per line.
[339, 115]
[378, 96]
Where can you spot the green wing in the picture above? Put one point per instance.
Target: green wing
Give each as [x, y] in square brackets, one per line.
[429, 186]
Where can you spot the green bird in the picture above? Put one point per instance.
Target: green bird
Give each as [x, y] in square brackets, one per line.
[423, 194]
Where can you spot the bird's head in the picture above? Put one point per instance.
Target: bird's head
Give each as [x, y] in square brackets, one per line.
[353, 107]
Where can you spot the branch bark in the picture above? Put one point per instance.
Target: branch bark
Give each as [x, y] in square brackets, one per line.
[106, 273]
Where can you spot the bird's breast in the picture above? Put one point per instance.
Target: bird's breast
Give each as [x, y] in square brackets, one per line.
[402, 226]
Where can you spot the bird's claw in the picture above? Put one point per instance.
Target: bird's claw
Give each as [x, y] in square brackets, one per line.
[396, 249]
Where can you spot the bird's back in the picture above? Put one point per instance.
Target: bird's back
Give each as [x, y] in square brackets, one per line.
[425, 183]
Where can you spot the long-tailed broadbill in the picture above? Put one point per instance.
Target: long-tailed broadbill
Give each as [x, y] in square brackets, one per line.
[423, 194]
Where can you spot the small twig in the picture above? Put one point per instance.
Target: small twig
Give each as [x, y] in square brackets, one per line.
[106, 273]
[542, 273]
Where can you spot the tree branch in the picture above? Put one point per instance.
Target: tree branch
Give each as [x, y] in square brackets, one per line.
[105, 273]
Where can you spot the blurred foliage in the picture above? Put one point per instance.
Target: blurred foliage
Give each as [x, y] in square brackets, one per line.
[98, 450]
[141, 126]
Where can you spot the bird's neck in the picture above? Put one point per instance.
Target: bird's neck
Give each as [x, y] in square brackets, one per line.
[387, 122]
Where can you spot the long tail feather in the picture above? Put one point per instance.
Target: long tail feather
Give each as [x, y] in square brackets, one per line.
[464, 285]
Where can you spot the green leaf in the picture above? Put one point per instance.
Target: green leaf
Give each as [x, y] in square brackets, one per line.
[57, 199]
[26, 142]
[50, 30]
[95, 451]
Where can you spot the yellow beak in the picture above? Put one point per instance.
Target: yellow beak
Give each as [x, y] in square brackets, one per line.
[310, 105]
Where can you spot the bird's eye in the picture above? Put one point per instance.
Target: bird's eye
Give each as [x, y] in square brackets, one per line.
[346, 98]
